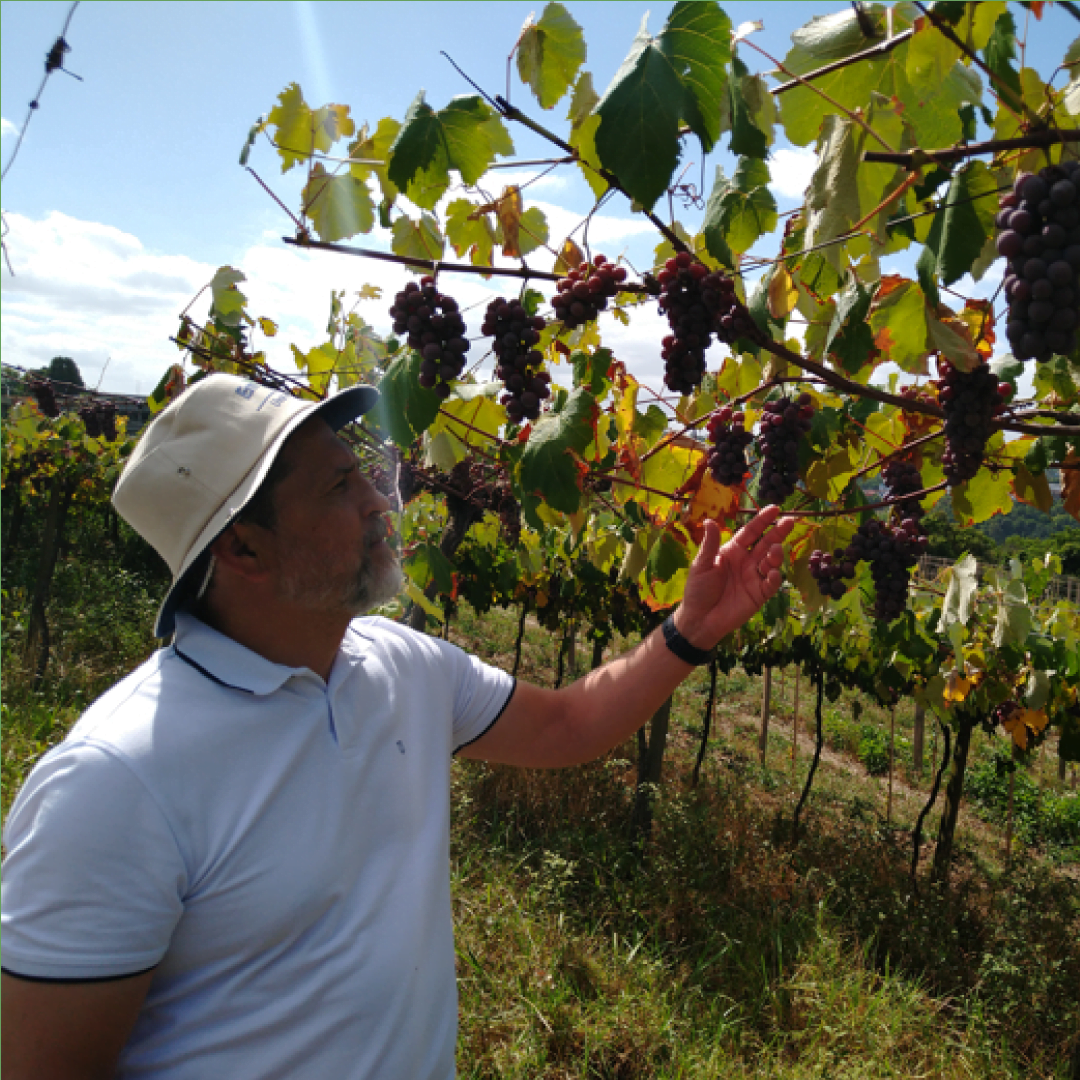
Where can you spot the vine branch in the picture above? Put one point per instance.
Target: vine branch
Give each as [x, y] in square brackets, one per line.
[915, 159]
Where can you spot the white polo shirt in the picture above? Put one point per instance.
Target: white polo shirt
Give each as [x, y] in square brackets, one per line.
[277, 846]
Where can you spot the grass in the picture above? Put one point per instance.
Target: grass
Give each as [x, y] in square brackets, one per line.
[725, 951]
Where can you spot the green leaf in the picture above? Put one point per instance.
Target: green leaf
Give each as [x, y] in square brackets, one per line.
[697, 41]
[532, 230]
[748, 112]
[339, 206]
[591, 371]
[739, 211]
[376, 147]
[548, 469]
[962, 224]
[470, 231]
[418, 239]
[639, 114]
[1000, 50]
[832, 199]
[228, 300]
[405, 409]
[960, 596]
[550, 53]
[850, 337]
[467, 136]
[986, 495]
[667, 558]
[898, 320]
[650, 424]
[583, 124]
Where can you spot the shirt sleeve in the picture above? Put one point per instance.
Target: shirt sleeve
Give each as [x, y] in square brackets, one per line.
[93, 880]
[481, 694]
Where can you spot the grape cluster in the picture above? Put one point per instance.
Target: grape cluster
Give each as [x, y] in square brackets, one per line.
[892, 552]
[971, 400]
[727, 458]
[1005, 712]
[584, 292]
[410, 481]
[45, 396]
[784, 424]
[509, 511]
[1040, 236]
[99, 419]
[902, 477]
[516, 334]
[830, 570]
[435, 329]
[699, 303]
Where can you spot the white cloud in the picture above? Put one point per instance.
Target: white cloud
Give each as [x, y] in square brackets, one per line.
[7, 128]
[95, 293]
[792, 169]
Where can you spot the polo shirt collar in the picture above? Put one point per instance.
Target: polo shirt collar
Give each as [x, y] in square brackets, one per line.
[227, 661]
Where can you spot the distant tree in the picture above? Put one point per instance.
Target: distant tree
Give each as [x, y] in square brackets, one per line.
[64, 370]
[948, 540]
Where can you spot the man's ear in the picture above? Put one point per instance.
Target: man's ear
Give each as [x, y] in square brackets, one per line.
[244, 549]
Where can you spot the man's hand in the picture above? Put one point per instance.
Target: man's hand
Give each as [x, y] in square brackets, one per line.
[726, 585]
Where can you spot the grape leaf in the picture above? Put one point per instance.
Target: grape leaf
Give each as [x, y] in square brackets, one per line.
[471, 415]
[849, 337]
[898, 320]
[469, 230]
[300, 131]
[418, 239]
[667, 557]
[1000, 48]
[228, 300]
[985, 496]
[532, 230]
[749, 112]
[376, 147]
[339, 206]
[832, 199]
[1033, 488]
[583, 124]
[549, 54]
[639, 114]
[739, 210]
[960, 596]
[697, 40]
[962, 224]
[467, 136]
[1014, 619]
[405, 409]
[548, 468]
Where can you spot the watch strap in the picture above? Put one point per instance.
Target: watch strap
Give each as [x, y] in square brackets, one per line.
[682, 648]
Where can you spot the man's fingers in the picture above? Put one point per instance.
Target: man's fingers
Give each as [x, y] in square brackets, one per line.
[765, 528]
[710, 544]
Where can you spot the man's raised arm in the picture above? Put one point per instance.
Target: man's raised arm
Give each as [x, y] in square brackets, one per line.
[726, 585]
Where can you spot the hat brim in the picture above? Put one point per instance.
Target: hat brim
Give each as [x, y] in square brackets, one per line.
[337, 411]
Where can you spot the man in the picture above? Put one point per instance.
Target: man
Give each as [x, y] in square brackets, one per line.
[237, 863]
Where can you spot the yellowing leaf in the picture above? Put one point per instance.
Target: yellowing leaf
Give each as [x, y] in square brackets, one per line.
[570, 257]
[300, 131]
[711, 502]
[957, 687]
[509, 214]
[267, 326]
[782, 293]
[228, 301]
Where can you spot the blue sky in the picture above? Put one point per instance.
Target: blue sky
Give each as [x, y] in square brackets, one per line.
[127, 193]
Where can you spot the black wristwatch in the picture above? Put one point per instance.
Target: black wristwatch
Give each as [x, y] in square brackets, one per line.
[681, 647]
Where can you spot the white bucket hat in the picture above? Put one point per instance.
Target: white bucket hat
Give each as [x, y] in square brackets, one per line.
[199, 463]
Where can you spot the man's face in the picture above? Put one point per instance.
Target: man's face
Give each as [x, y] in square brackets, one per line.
[330, 536]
